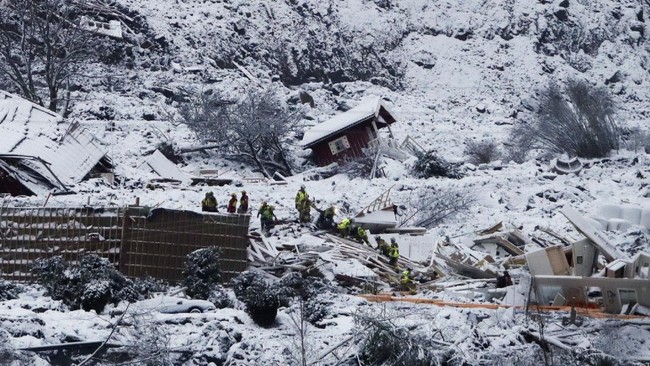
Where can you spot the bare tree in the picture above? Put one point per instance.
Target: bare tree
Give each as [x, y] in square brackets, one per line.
[578, 121]
[42, 43]
[302, 354]
[430, 206]
[255, 129]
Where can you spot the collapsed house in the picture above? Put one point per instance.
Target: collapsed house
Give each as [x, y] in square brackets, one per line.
[621, 285]
[40, 153]
[355, 134]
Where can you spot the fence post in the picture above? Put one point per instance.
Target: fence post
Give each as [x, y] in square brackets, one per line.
[124, 251]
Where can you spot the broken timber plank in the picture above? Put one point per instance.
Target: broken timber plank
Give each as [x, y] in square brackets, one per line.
[600, 241]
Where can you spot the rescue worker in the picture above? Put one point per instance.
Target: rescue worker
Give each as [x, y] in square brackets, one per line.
[267, 216]
[326, 218]
[209, 203]
[360, 234]
[344, 227]
[382, 246]
[301, 196]
[243, 203]
[232, 204]
[303, 205]
[305, 212]
[394, 252]
[406, 281]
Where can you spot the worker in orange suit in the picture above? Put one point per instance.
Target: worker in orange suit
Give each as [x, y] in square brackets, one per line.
[243, 203]
[232, 204]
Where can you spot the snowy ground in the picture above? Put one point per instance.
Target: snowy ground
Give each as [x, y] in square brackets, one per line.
[440, 107]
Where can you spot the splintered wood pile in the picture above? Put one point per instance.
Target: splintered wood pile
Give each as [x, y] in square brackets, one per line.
[333, 249]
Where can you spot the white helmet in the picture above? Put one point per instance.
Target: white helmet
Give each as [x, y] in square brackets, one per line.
[302, 186]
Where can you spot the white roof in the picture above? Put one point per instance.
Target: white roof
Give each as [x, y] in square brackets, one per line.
[21, 119]
[367, 108]
[29, 129]
[616, 265]
[377, 217]
[164, 167]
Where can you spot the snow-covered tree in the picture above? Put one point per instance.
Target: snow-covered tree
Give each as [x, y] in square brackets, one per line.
[202, 272]
[255, 130]
[42, 43]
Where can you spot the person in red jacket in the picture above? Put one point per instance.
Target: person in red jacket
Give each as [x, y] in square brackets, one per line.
[243, 203]
[232, 204]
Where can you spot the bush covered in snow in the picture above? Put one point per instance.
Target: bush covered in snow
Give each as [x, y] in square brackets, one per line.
[262, 299]
[481, 152]
[219, 297]
[310, 291]
[9, 290]
[90, 284]
[146, 286]
[430, 164]
[577, 119]
[202, 272]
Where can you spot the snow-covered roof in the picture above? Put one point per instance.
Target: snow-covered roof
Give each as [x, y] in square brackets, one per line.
[369, 107]
[21, 119]
[32, 173]
[165, 168]
[29, 129]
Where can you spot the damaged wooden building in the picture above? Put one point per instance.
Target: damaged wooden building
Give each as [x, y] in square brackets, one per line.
[40, 153]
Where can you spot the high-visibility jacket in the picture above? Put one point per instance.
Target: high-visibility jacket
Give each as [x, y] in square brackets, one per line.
[267, 212]
[406, 277]
[209, 202]
[361, 233]
[344, 224]
[394, 251]
[301, 198]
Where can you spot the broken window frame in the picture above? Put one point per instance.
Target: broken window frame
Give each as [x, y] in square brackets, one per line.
[339, 145]
[625, 298]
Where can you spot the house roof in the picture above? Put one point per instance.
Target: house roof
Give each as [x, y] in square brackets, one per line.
[33, 173]
[369, 107]
[29, 129]
[21, 119]
[164, 167]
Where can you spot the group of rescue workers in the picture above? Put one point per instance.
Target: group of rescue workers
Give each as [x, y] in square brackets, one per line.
[209, 203]
[303, 204]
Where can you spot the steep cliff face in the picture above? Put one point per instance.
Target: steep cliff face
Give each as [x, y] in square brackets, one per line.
[458, 64]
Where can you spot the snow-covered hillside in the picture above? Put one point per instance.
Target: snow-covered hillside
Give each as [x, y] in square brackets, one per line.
[451, 71]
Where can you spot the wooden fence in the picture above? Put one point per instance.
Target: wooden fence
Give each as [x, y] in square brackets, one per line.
[138, 240]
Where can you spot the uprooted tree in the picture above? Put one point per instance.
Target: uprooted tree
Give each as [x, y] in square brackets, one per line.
[577, 120]
[42, 44]
[254, 130]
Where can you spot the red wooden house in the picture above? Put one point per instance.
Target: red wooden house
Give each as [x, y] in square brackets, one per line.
[348, 135]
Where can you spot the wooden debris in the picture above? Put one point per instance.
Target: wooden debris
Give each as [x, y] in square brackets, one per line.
[265, 256]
